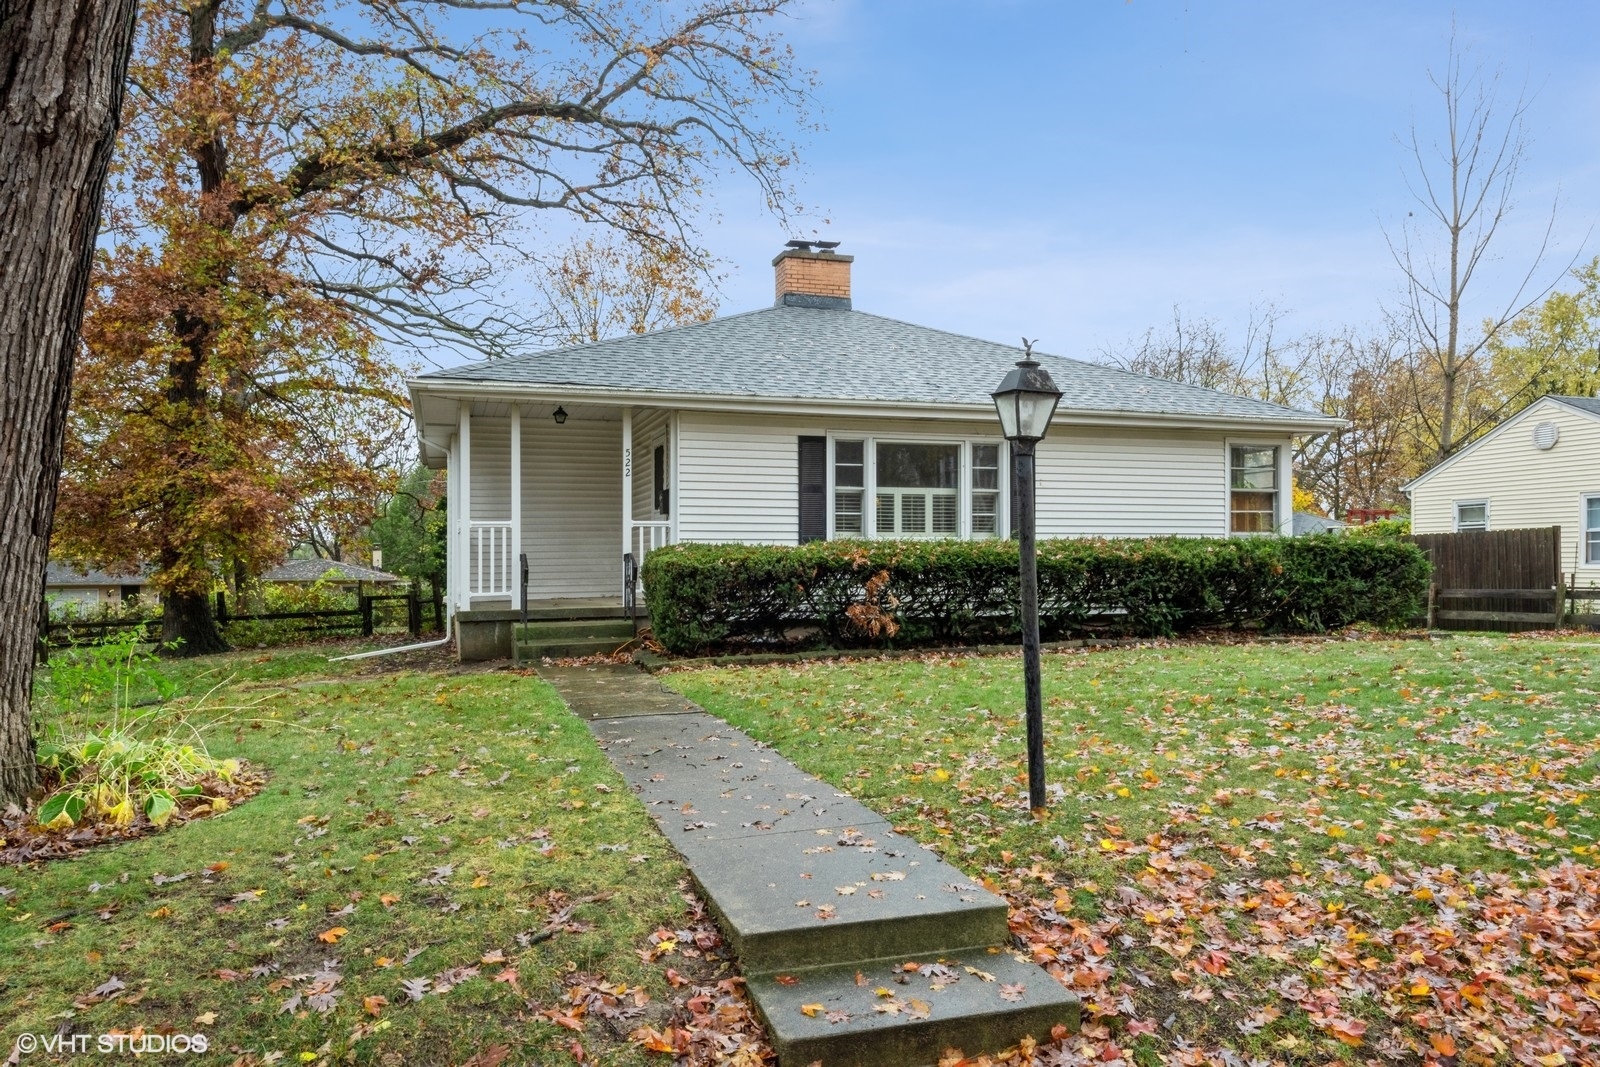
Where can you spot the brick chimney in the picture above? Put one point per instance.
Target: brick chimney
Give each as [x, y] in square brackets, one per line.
[810, 274]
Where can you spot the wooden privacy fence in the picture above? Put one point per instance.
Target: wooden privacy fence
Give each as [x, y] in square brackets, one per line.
[1498, 580]
[365, 617]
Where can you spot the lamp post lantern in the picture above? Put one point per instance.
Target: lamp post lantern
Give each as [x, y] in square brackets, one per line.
[1026, 401]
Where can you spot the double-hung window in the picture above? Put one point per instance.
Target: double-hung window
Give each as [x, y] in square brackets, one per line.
[985, 490]
[1252, 489]
[940, 488]
[849, 488]
[1591, 529]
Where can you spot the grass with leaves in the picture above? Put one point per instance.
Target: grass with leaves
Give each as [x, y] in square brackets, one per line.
[1294, 852]
[442, 868]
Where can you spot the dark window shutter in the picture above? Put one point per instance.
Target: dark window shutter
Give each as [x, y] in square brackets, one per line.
[813, 489]
[662, 504]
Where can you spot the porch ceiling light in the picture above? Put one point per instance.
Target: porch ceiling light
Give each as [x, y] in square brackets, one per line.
[1026, 400]
[560, 415]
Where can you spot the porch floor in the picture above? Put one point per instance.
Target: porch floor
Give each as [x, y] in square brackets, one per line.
[574, 608]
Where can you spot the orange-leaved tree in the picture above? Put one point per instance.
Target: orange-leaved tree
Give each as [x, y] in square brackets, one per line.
[304, 188]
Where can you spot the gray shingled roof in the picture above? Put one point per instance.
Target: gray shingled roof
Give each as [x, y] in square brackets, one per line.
[825, 354]
[65, 574]
[1591, 404]
[311, 570]
[1309, 522]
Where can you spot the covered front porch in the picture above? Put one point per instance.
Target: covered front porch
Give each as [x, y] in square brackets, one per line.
[554, 504]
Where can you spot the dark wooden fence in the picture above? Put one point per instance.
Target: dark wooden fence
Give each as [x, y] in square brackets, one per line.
[371, 611]
[1503, 580]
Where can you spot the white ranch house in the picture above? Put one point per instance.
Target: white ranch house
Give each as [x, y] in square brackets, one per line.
[806, 420]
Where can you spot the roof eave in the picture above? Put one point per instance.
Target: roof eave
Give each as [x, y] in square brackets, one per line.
[477, 388]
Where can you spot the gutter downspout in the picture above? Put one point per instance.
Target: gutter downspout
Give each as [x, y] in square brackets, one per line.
[445, 640]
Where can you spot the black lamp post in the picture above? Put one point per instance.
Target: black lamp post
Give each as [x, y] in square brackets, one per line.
[1026, 401]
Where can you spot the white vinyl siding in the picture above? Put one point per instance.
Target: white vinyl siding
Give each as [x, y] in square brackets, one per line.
[739, 476]
[649, 434]
[490, 485]
[1102, 482]
[739, 479]
[572, 507]
[1524, 486]
[491, 469]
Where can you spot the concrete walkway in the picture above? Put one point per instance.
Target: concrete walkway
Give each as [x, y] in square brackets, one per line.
[822, 901]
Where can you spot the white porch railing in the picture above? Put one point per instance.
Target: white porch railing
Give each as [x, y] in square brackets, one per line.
[646, 538]
[492, 560]
[649, 536]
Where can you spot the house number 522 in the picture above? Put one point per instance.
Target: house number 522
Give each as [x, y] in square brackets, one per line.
[627, 462]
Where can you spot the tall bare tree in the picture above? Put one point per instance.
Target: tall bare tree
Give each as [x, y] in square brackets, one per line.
[1199, 352]
[1463, 182]
[62, 65]
[1363, 378]
[607, 288]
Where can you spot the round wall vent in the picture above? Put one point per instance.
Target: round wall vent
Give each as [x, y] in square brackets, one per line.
[1545, 435]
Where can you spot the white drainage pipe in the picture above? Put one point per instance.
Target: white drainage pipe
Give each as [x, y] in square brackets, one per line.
[445, 640]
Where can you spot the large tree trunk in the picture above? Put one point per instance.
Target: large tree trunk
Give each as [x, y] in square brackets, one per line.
[187, 621]
[62, 67]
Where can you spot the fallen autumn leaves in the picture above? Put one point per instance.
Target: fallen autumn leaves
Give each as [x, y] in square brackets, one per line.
[1353, 851]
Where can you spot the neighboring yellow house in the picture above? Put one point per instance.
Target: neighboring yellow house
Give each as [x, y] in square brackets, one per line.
[1541, 467]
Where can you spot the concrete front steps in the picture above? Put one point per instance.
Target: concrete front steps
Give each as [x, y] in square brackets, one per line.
[860, 947]
[561, 639]
[880, 1012]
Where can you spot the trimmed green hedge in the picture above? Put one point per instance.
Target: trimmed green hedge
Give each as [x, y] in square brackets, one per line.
[910, 593]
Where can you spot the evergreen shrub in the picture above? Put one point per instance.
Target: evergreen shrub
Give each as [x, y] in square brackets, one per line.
[855, 594]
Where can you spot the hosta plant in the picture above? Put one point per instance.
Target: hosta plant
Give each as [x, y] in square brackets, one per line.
[129, 768]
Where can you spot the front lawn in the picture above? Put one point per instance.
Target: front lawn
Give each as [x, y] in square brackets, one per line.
[1286, 852]
[442, 866]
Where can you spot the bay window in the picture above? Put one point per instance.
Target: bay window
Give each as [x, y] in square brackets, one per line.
[916, 489]
[898, 488]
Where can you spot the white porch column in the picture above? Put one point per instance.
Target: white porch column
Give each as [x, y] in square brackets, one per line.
[516, 504]
[454, 549]
[627, 488]
[464, 505]
[675, 500]
[1285, 514]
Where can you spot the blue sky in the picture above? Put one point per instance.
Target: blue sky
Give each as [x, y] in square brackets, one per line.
[1071, 171]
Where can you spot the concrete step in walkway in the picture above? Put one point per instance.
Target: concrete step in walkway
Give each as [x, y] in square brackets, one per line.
[822, 901]
[568, 638]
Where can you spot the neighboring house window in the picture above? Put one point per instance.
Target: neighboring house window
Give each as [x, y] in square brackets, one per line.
[1472, 515]
[1591, 529]
[1252, 489]
[916, 489]
[849, 488]
[985, 490]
